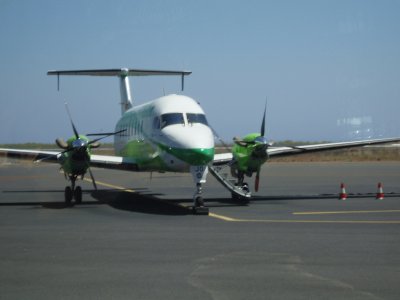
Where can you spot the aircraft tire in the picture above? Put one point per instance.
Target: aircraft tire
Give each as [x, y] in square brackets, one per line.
[239, 199]
[68, 195]
[199, 202]
[199, 208]
[78, 195]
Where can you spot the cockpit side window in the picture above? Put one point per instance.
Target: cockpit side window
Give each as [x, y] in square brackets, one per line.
[156, 123]
[171, 119]
[196, 118]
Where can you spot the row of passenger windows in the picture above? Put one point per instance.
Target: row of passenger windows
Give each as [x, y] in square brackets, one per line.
[178, 118]
[133, 127]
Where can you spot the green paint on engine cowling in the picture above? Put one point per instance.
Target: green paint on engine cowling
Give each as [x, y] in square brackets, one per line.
[243, 154]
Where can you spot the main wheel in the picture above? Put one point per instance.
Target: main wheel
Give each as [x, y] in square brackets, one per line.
[239, 199]
[68, 195]
[245, 187]
[78, 194]
[198, 202]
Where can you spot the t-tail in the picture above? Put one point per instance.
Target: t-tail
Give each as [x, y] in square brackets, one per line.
[123, 75]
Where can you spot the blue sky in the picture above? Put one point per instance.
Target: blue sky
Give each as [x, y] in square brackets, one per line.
[330, 69]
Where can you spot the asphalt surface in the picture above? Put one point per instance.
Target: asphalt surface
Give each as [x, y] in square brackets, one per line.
[135, 239]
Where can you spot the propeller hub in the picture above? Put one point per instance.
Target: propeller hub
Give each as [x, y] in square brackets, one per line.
[260, 149]
[79, 143]
[261, 140]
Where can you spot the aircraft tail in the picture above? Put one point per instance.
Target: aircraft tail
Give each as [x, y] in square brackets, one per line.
[123, 74]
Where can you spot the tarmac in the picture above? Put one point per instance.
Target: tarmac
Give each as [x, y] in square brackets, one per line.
[136, 238]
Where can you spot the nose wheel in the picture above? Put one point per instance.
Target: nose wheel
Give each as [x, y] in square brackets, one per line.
[198, 202]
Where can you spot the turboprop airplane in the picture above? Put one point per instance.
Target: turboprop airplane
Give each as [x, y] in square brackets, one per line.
[171, 134]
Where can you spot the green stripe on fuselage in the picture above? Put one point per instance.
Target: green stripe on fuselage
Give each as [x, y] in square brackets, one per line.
[194, 156]
[148, 155]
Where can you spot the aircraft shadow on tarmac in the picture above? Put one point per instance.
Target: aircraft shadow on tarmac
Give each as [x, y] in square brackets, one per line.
[139, 201]
[143, 202]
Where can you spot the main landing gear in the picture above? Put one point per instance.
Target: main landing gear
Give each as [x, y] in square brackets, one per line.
[72, 192]
[244, 187]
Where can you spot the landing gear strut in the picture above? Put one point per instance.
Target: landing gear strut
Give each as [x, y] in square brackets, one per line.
[72, 192]
[198, 202]
[199, 174]
[244, 187]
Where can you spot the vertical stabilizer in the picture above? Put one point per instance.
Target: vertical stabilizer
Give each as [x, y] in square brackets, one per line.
[126, 98]
[123, 74]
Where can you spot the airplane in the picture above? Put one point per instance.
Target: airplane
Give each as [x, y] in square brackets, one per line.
[169, 134]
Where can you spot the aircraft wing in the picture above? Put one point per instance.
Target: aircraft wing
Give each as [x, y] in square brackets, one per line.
[287, 151]
[222, 158]
[50, 156]
[113, 162]
[225, 158]
[99, 161]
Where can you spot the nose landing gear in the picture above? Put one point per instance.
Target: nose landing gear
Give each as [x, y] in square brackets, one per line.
[198, 202]
[199, 174]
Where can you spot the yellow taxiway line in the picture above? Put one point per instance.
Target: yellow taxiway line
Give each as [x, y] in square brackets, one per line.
[345, 212]
[230, 219]
[117, 187]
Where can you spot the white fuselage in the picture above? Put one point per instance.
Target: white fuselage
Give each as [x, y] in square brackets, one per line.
[167, 134]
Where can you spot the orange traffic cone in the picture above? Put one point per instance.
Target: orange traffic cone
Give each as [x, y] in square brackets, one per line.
[343, 194]
[379, 193]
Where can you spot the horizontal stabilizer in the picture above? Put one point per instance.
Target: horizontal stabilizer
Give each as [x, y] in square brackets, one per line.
[119, 72]
[122, 73]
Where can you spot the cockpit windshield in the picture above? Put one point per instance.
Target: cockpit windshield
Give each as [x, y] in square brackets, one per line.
[179, 118]
[171, 119]
[196, 118]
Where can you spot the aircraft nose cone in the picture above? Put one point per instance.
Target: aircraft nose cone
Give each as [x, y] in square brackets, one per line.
[203, 156]
[197, 157]
[192, 144]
